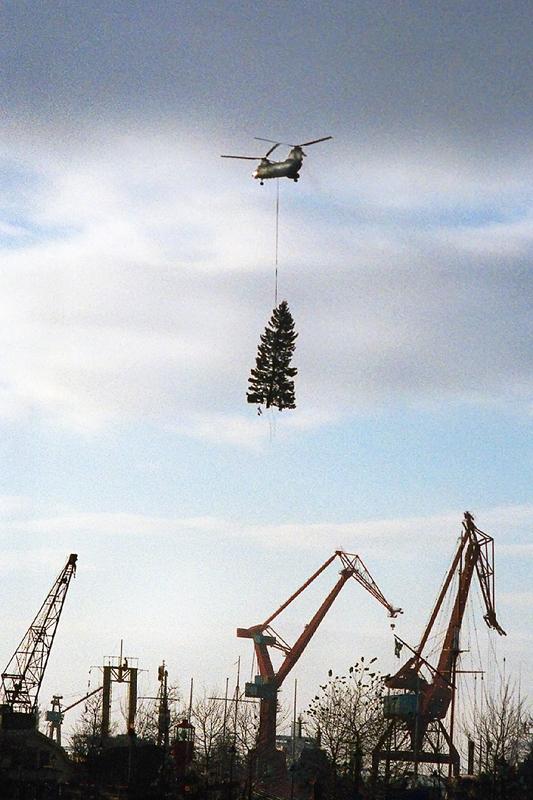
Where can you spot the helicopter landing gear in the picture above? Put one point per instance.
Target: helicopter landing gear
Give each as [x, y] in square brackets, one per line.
[261, 183]
[295, 180]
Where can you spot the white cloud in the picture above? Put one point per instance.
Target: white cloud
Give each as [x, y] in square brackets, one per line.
[35, 560]
[12, 505]
[116, 524]
[430, 175]
[226, 429]
[9, 230]
[374, 534]
[149, 277]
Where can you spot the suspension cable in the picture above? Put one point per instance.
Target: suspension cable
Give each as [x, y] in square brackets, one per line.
[277, 245]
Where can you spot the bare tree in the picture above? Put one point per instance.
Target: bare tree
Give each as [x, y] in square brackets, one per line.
[501, 731]
[244, 726]
[86, 733]
[225, 735]
[147, 717]
[209, 719]
[347, 717]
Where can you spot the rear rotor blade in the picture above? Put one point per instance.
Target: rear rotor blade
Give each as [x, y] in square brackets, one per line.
[315, 141]
[245, 158]
[286, 144]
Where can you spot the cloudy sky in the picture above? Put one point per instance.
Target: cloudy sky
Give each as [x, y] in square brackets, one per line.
[137, 272]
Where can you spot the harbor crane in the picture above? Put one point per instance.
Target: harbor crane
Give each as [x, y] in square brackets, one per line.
[416, 732]
[269, 681]
[56, 714]
[22, 678]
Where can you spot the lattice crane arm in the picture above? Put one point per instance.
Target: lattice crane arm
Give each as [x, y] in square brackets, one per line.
[268, 682]
[361, 574]
[474, 555]
[22, 678]
[485, 574]
[263, 636]
[416, 731]
[477, 556]
[475, 552]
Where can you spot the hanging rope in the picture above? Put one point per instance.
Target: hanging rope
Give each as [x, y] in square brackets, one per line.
[271, 380]
[277, 243]
[272, 420]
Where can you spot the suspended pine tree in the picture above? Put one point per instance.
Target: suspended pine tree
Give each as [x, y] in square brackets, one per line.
[270, 383]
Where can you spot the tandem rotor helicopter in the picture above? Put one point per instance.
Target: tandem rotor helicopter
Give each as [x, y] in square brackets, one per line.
[279, 169]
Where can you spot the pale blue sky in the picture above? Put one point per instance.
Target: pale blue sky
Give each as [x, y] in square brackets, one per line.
[137, 274]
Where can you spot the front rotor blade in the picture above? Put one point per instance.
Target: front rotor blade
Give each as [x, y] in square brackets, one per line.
[260, 139]
[315, 141]
[245, 158]
[272, 149]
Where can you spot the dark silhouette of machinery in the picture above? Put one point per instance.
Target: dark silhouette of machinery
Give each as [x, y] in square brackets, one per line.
[267, 683]
[22, 678]
[55, 715]
[416, 732]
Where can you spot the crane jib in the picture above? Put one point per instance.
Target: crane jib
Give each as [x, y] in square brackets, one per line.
[268, 681]
[22, 678]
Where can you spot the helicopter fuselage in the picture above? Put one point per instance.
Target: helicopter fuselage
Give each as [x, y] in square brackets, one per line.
[289, 168]
[280, 169]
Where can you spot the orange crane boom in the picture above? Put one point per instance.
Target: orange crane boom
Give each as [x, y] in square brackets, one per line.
[426, 702]
[268, 681]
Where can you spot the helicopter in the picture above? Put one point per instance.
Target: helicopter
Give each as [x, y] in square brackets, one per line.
[279, 169]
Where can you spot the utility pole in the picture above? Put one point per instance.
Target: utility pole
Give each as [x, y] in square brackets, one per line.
[163, 719]
[293, 748]
[190, 701]
[233, 748]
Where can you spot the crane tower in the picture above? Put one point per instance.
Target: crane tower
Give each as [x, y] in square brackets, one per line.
[425, 694]
[268, 682]
[22, 678]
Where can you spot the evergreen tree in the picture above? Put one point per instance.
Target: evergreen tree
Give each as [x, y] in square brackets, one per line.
[271, 381]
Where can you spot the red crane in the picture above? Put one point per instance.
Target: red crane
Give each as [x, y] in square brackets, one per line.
[416, 715]
[22, 678]
[268, 681]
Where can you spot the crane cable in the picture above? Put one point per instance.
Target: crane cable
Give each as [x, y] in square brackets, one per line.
[272, 419]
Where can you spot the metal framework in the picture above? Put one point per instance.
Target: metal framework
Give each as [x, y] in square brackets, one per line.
[416, 732]
[268, 681]
[56, 714]
[119, 670]
[22, 678]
